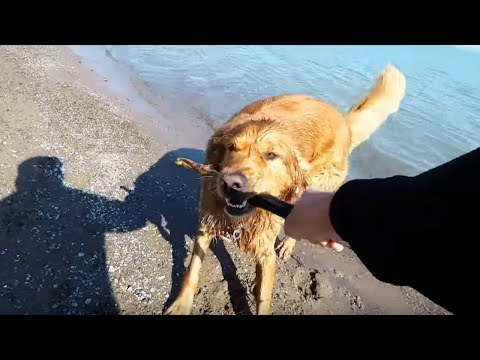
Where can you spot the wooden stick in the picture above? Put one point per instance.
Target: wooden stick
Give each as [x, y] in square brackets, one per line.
[206, 170]
[199, 168]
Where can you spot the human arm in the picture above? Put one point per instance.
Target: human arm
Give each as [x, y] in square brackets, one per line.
[406, 230]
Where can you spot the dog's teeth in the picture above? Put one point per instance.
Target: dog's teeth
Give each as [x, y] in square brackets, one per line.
[240, 206]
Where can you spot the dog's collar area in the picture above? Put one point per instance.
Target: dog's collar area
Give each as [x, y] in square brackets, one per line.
[230, 234]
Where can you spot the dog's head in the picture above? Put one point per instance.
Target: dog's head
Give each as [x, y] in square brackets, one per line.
[254, 157]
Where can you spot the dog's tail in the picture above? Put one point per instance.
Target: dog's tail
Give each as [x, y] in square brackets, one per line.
[373, 110]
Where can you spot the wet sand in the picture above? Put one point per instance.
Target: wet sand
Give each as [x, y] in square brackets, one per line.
[96, 218]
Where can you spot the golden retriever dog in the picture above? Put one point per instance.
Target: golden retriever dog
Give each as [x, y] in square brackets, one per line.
[281, 145]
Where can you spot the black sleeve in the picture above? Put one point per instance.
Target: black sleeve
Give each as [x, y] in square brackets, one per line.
[416, 231]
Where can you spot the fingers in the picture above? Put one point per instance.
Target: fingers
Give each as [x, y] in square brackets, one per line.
[330, 244]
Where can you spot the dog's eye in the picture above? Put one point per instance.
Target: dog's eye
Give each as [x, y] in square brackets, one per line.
[270, 155]
[231, 147]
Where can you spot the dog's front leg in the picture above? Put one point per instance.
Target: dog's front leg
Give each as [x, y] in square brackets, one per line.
[183, 304]
[264, 281]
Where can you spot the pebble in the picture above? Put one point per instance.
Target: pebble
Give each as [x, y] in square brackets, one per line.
[88, 301]
[129, 288]
[81, 254]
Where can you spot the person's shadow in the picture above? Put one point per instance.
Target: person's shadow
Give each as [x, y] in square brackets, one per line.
[52, 258]
[167, 195]
[52, 237]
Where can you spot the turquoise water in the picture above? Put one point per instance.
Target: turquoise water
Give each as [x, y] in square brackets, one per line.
[439, 118]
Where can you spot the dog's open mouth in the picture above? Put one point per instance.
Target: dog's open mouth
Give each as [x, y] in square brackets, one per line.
[238, 205]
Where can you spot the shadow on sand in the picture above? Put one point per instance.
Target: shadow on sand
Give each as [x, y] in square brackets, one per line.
[52, 237]
[167, 195]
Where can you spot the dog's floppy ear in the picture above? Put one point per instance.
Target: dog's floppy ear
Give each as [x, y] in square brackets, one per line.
[298, 185]
[295, 191]
[217, 144]
[216, 149]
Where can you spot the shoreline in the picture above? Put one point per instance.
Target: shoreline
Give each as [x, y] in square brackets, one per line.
[74, 241]
[154, 114]
[106, 77]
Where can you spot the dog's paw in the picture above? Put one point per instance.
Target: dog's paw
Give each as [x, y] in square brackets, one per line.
[264, 307]
[285, 248]
[181, 306]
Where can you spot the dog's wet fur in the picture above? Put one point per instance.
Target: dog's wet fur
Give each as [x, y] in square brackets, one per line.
[281, 145]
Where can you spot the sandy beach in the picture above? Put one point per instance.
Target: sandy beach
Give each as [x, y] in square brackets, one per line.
[95, 217]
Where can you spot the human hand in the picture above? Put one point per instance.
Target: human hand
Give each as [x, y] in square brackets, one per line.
[310, 219]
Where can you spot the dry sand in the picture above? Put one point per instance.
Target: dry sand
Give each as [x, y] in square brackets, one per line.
[95, 218]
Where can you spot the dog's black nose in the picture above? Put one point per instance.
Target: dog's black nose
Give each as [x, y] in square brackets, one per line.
[234, 181]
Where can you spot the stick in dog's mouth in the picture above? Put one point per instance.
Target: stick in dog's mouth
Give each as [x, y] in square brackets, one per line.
[205, 170]
[264, 201]
[199, 168]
